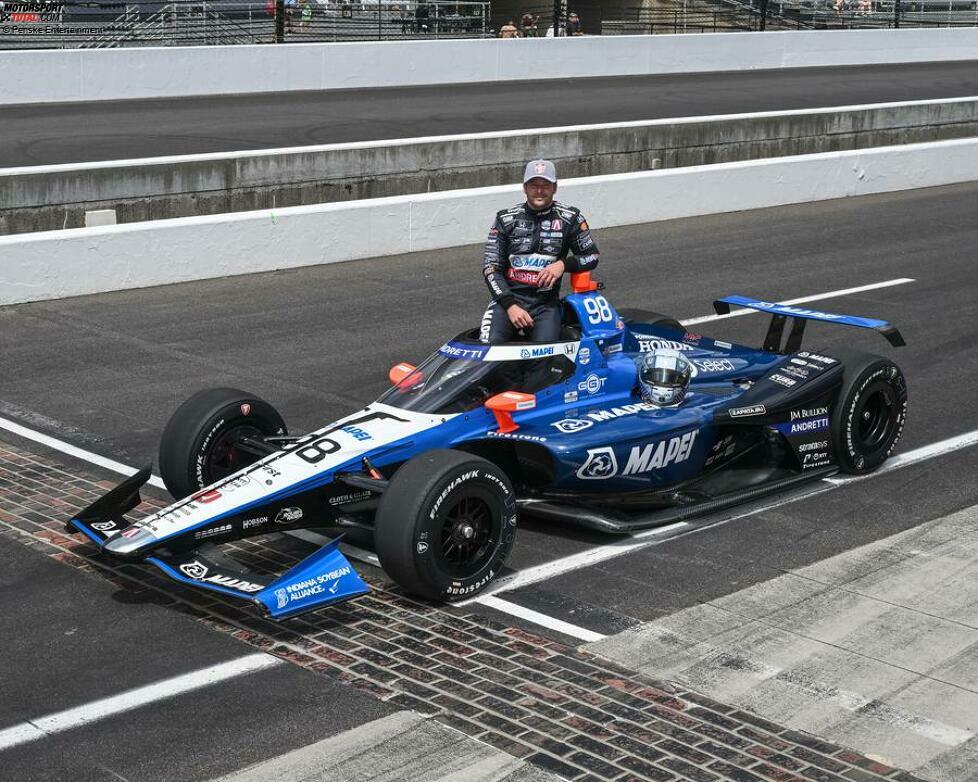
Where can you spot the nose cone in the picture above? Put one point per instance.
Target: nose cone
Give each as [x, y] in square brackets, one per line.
[129, 541]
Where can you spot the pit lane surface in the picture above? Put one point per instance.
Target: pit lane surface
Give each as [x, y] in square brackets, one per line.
[114, 130]
[104, 372]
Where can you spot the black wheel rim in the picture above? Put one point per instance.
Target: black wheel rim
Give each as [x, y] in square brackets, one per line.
[875, 421]
[224, 458]
[467, 536]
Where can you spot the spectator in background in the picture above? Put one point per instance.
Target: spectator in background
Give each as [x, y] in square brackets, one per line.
[421, 18]
[574, 24]
[528, 25]
[509, 30]
[306, 16]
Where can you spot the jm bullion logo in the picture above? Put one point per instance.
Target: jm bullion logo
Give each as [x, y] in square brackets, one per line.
[194, 570]
[600, 464]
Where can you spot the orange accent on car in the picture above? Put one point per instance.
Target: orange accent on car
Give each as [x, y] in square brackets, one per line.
[581, 282]
[505, 404]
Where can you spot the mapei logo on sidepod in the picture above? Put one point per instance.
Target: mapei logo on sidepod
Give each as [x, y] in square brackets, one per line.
[600, 464]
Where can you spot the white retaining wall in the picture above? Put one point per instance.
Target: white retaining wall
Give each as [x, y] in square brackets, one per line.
[110, 74]
[57, 264]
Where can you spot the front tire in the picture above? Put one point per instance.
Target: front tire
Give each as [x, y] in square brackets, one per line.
[197, 447]
[870, 413]
[445, 525]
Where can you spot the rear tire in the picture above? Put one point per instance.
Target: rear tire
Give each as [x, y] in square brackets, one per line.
[197, 445]
[870, 412]
[445, 525]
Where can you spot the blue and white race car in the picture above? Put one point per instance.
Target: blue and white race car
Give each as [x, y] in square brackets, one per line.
[435, 474]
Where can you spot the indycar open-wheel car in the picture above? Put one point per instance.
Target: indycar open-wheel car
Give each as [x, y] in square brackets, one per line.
[435, 474]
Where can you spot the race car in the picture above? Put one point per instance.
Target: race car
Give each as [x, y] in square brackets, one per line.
[435, 474]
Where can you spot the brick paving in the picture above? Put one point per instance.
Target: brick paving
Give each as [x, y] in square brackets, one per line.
[564, 710]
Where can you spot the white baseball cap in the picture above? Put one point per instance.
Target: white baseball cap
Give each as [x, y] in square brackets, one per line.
[543, 169]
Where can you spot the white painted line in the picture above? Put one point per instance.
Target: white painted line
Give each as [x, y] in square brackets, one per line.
[71, 450]
[654, 537]
[803, 300]
[133, 699]
[500, 134]
[582, 559]
[912, 457]
[537, 618]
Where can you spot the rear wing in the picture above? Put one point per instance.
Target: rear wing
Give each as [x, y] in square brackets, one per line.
[800, 316]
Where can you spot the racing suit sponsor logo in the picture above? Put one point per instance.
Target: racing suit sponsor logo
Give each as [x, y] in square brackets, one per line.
[591, 384]
[816, 357]
[448, 489]
[648, 345]
[787, 382]
[661, 454]
[288, 515]
[805, 426]
[808, 412]
[571, 425]
[600, 464]
[743, 412]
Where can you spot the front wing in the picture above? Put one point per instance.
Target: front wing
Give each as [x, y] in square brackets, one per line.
[323, 578]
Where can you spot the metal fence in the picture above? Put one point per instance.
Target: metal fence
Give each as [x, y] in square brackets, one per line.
[48, 24]
[112, 23]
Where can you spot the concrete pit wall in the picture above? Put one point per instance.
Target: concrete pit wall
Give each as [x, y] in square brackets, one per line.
[55, 197]
[117, 74]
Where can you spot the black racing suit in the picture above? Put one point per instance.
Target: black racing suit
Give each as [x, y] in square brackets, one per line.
[521, 243]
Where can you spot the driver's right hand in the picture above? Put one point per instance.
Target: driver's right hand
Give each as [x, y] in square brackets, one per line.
[519, 317]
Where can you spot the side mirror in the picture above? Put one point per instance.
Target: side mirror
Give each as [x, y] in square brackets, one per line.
[581, 282]
[399, 372]
[505, 404]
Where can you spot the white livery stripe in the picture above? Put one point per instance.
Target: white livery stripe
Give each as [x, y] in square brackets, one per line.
[132, 699]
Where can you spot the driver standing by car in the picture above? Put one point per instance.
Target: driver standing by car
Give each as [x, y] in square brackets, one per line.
[529, 248]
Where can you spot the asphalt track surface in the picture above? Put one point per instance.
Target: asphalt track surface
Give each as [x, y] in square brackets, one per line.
[114, 130]
[104, 373]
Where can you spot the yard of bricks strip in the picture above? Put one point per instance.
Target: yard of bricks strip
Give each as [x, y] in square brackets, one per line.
[572, 713]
